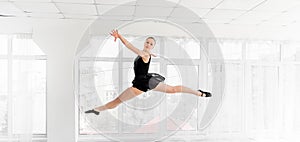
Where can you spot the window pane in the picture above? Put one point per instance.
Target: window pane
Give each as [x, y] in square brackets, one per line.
[263, 102]
[3, 115]
[296, 100]
[229, 118]
[29, 93]
[3, 44]
[192, 48]
[142, 114]
[3, 97]
[291, 83]
[87, 94]
[173, 49]
[98, 85]
[291, 51]
[93, 47]
[231, 49]
[175, 75]
[128, 74]
[109, 48]
[181, 48]
[3, 77]
[263, 50]
[25, 46]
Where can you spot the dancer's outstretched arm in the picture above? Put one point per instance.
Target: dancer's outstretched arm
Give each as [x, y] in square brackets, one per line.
[137, 51]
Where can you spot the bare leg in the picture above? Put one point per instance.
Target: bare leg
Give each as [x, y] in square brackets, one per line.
[128, 94]
[161, 87]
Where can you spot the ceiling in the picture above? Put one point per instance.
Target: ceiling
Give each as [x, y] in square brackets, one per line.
[230, 12]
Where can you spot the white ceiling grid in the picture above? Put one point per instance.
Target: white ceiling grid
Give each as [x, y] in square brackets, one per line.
[235, 12]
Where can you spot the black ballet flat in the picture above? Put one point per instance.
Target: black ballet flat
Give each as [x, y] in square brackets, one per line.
[207, 94]
[92, 111]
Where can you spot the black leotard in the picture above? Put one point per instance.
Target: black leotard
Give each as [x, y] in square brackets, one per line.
[140, 67]
[143, 80]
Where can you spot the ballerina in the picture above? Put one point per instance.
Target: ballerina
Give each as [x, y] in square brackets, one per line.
[143, 81]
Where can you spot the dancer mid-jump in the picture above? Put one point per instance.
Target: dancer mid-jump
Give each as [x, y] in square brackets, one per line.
[143, 81]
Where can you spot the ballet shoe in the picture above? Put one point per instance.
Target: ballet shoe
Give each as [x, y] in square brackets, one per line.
[92, 111]
[207, 94]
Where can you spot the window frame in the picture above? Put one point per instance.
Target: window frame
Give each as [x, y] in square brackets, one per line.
[9, 57]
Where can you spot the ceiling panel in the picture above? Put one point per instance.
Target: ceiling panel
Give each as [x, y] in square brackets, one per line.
[86, 9]
[275, 23]
[246, 22]
[217, 21]
[285, 17]
[158, 18]
[239, 4]
[155, 3]
[37, 7]
[118, 18]
[75, 1]
[184, 12]
[46, 15]
[277, 5]
[78, 16]
[142, 11]
[174, 1]
[8, 8]
[121, 10]
[102, 9]
[293, 12]
[189, 20]
[254, 17]
[200, 3]
[30, 0]
[200, 11]
[224, 14]
[116, 2]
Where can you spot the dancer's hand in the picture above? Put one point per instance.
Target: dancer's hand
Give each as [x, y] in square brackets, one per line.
[115, 34]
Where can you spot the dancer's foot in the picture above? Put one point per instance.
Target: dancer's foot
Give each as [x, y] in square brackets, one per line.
[205, 94]
[92, 111]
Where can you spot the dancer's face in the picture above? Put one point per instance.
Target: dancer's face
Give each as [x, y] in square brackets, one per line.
[149, 44]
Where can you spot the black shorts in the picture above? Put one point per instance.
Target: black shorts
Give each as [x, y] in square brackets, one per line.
[147, 82]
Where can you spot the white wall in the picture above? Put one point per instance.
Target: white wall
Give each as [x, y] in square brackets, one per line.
[59, 39]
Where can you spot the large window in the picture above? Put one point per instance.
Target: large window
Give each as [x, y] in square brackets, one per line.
[261, 89]
[22, 87]
[230, 116]
[261, 86]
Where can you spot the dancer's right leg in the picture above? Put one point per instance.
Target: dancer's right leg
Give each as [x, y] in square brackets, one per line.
[127, 94]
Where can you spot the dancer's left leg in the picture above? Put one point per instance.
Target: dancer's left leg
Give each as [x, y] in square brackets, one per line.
[162, 87]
